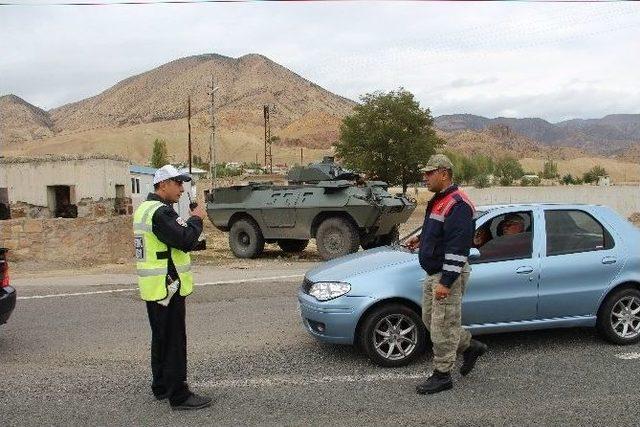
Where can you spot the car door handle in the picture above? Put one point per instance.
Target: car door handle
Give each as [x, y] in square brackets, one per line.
[524, 270]
[609, 260]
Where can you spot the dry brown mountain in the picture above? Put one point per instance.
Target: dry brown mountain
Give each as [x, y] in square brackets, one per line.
[499, 140]
[21, 121]
[126, 118]
[245, 85]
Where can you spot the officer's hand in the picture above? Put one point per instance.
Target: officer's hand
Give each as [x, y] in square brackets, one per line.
[199, 211]
[413, 242]
[441, 291]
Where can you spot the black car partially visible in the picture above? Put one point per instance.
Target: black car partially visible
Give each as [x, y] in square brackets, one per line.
[7, 293]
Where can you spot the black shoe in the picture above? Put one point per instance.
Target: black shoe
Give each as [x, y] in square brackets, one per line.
[437, 382]
[161, 396]
[470, 356]
[194, 401]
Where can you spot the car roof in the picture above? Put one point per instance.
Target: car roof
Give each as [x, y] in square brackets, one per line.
[531, 205]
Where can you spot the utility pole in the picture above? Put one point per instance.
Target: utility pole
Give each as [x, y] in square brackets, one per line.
[268, 158]
[301, 157]
[189, 127]
[212, 140]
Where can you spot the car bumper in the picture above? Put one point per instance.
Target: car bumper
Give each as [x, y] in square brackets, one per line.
[7, 303]
[333, 321]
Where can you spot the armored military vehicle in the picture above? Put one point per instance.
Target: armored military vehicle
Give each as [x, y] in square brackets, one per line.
[321, 201]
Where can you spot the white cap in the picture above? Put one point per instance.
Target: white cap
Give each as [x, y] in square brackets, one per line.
[169, 172]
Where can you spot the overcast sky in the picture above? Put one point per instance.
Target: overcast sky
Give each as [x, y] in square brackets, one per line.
[551, 60]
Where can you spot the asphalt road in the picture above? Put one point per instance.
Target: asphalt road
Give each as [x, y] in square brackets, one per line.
[83, 360]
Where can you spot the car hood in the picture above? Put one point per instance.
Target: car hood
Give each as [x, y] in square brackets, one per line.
[360, 262]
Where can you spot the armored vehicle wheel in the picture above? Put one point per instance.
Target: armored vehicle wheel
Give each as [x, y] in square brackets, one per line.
[245, 239]
[292, 245]
[336, 237]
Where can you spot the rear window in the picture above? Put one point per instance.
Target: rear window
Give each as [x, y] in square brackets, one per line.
[573, 231]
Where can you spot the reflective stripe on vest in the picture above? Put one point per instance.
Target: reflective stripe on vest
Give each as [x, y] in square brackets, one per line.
[152, 272]
[443, 207]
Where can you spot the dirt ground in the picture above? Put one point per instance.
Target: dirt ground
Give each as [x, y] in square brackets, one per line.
[218, 245]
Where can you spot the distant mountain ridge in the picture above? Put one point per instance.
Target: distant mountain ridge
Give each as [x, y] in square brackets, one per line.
[611, 135]
[125, 118]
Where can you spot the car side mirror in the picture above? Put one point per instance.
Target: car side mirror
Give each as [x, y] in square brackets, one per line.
[474, 253]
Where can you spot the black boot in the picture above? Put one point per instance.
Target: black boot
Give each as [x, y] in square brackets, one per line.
[194, 401]
[437, 382]
[470, 356]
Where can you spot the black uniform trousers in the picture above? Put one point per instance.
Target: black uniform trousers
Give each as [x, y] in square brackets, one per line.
[169, 349]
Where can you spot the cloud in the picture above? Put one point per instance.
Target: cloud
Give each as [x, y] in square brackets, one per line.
[469, 82]
[548, 60]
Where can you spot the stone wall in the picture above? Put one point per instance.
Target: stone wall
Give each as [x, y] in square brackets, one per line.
[623, 199]
[71, 242]
[86, 208]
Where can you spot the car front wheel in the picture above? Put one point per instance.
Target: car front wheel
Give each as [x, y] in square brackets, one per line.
[619, 317]
[393, 335]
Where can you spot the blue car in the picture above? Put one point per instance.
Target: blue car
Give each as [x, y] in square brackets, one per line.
[568, 266]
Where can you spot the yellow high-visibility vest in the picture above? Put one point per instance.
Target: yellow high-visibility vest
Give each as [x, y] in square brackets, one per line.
[152, 271]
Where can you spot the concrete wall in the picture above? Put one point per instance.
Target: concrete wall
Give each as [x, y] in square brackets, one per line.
[623, 199]
[69, 242]
[96, 179]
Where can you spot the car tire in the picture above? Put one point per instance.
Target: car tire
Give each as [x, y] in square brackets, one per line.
[616, 312]
[336, 237]
[397, 318]
[292, 245]
[245, 239]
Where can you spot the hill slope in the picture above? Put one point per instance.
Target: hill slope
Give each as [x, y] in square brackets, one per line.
[21, 121]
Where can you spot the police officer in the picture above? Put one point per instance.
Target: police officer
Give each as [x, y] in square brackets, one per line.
[162, 243]
[444, 242]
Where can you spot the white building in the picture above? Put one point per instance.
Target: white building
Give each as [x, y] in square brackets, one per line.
[65, 185]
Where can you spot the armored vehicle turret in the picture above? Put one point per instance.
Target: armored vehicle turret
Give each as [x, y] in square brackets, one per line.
[322, 201]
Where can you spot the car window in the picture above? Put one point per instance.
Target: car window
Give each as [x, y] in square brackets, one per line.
[505, 237]
[571, 231]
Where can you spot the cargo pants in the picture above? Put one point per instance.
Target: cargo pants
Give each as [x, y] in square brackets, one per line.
[443, 319]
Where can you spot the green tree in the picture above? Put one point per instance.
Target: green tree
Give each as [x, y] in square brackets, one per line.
[508, 169]
[388, 137]
[160, 155]
[550, 170]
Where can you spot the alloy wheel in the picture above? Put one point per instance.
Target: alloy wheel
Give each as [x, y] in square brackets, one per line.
[625, 317]
[395, 336]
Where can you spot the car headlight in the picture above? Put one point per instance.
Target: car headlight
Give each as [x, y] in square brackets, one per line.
[324, 291]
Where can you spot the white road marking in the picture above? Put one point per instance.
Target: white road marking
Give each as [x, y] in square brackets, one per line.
[628, 356]
[288, 380]
[220, 282]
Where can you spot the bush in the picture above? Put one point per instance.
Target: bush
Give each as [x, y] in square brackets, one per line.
[506, 181]
[533, 181]
[481, 181]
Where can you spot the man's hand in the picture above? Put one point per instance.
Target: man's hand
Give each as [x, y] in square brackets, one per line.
[441, 291]
[199, 211]
[413, 242]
